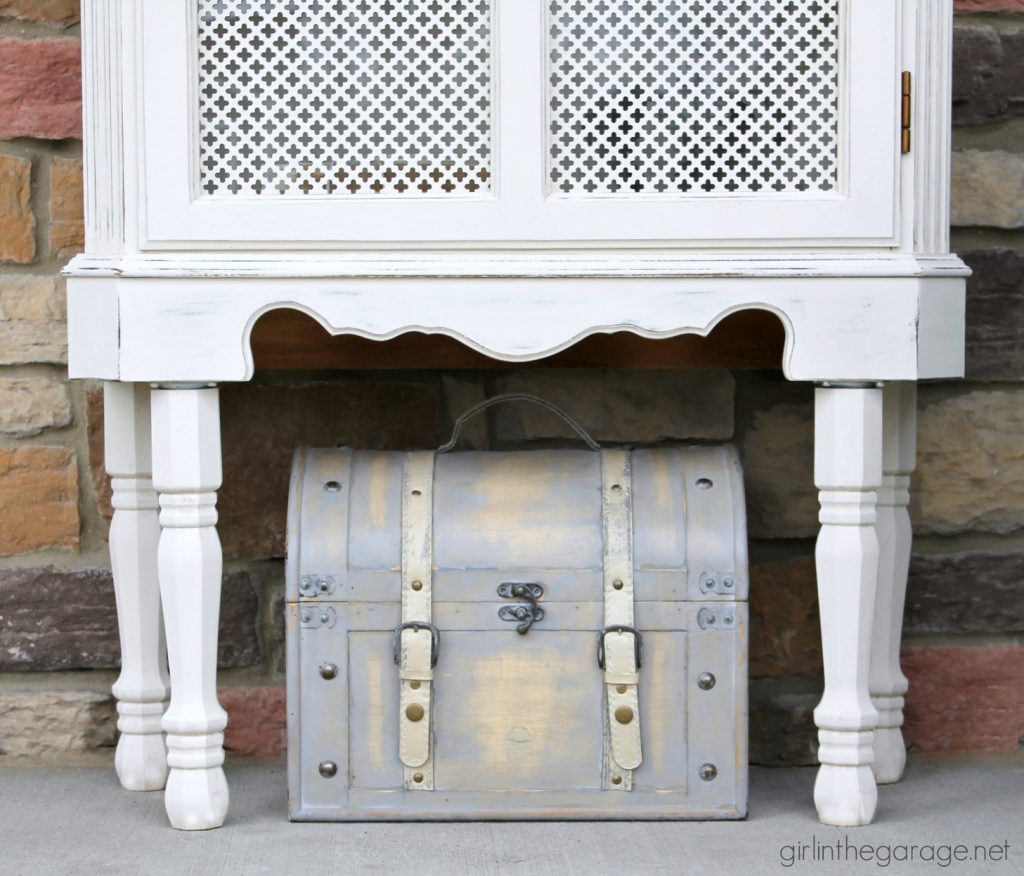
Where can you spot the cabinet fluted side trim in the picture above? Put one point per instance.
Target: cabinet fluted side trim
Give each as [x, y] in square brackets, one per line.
[933, 121]
[103, 51]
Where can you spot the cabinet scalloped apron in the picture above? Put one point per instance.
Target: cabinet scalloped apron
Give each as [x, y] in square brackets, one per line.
[550, 634]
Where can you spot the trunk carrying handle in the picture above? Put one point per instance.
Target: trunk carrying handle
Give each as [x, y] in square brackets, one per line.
[516, 397]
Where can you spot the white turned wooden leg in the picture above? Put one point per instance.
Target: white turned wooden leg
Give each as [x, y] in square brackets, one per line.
[848, 472]
[187, 474]
[142, 688]
[887, 682]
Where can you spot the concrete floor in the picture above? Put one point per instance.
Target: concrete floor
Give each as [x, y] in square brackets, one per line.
[77, 820]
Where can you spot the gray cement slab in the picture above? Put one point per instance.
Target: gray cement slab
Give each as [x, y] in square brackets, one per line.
[77, 820]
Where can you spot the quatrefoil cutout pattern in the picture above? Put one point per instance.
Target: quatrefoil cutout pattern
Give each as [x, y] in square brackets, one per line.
[345, 98]
[674, 97]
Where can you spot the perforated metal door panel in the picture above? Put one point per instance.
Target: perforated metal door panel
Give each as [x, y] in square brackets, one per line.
[345, 99]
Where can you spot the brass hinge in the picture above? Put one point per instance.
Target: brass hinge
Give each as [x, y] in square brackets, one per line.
[907, 112]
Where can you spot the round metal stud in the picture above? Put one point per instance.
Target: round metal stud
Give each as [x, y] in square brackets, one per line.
[617, 584]
[332, 487]
[706, 681]
[708, 772]
[417, 493]
[414, 685]
[623, 714]
[328, 769]
[705, 483]
[616, 780]
[328, 671]
[417, 586]
[414, 712]
[305, 617]
[621, 688]
[617, 487]
[417, 777]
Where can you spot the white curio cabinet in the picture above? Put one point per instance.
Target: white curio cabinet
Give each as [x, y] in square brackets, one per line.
[516, 175]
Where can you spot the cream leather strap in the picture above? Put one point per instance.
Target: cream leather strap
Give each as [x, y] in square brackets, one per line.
[417, 641]
[620, 647]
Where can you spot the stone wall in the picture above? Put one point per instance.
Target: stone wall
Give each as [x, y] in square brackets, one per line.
[965, 615]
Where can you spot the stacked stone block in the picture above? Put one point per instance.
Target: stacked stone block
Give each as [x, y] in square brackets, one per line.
[965, 606]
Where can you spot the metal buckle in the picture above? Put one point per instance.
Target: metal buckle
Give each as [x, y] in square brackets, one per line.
[638, 645]
[435, 640]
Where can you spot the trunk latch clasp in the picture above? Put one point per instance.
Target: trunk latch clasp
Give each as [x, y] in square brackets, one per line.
[526, 615]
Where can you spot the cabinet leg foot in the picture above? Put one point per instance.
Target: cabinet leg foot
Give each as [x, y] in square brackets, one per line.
[197, 799]
[890, 751]
[845, 796]
[141, 756]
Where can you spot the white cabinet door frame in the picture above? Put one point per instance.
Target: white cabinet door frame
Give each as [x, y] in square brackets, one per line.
[520, 209]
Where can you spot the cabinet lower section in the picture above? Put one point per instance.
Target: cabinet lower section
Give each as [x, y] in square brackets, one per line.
[846, 318]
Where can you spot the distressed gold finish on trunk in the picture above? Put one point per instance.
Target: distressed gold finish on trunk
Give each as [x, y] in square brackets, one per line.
[520, 724]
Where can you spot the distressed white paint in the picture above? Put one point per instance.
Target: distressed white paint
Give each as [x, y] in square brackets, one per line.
[543, 262]
[187, 474]
[94, 342]
[103, 142]
[932, 135]
[887, 683]
[143, 687]
[837, 329]
[520, 211]
[173, 282]
[848, 473]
